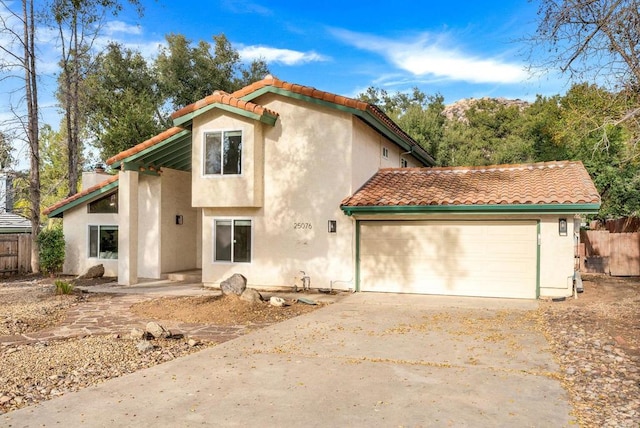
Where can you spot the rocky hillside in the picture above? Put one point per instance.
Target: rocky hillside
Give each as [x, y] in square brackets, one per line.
[457, 111]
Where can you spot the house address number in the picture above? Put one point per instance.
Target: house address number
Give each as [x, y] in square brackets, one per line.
[297, 226]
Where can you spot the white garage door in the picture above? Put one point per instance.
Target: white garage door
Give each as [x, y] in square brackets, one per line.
[462, 258]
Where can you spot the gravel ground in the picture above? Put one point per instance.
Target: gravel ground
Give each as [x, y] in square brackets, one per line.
[595, 339]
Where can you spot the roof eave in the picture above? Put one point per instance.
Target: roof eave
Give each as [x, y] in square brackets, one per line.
[182, 134]
[581, 208]
[58, 212]
[267, 118]
[413, 147]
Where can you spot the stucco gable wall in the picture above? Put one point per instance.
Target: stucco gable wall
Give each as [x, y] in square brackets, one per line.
[307, 172]
[244, 190]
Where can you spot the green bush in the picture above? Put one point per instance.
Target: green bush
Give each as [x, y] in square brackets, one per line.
[51, 244]
[63, 287]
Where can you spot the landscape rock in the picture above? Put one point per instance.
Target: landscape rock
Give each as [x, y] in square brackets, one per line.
[235, 284]
[157, 331]
[277, 301]
[193, 342]
[250, 295]
[96, 271]
[137, 333]
[144, 347]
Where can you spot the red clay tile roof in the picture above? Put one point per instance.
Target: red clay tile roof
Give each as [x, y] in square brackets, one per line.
[324, 96]
[80, 195]
[539, 183]
[145, 144]
[222, 97]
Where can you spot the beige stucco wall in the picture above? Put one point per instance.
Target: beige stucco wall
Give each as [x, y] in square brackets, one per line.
[243, 190]
[367, 153]
[149, 215]
[76, 223]
[179, 243]
[556, 257]
[307, 172]
[91, 178]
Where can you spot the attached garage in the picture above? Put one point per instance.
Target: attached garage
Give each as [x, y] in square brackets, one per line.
[462, 258]
[499, 231]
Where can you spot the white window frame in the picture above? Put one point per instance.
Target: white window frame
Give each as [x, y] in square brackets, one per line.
[99, 226]
[232, 220]
[404, 163]
[385, 152]
[204, 152]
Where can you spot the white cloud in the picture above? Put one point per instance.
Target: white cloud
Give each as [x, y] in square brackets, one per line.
[119, 27]
[283, 56]
[428, 55]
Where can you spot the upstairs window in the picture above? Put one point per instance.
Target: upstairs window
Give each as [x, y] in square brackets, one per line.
[403, 163]
[106, 204]
[385, 153]
[223, 153]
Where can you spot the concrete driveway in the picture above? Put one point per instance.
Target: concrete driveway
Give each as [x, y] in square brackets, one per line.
[367, 360]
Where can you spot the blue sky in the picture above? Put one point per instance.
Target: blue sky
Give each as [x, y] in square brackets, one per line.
[459, 49]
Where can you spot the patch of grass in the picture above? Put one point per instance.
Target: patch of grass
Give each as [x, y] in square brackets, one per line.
[63, 287]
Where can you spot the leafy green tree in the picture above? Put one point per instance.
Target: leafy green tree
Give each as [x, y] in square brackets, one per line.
[595, 41]
[491, 133]
[77, 23]
[604, 149]
[51, 245]
[123, 103]
[187, 73]
[53, 161]
[6, 153]
[418, 114]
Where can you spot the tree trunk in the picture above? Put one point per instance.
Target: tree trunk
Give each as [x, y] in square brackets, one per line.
[31, 94]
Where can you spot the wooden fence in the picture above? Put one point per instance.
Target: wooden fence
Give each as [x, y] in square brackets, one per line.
[616, 254]
[15, 254]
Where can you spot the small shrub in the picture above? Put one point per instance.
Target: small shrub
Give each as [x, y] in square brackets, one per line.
[63, 287]
[51, 243]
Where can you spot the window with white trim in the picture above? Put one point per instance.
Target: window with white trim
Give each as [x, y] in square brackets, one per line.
[222, 153]
[103, 242]
[403, 163]
[232, 240]
[385, 153]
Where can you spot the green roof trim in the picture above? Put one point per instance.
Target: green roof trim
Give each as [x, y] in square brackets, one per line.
[168, 153]
[264, 118]
[416, 151]
[474, 209]
[84, 199]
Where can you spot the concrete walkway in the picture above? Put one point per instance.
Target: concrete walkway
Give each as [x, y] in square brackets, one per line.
[367, 360]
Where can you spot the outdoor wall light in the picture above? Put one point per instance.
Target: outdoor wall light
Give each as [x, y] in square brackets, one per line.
[179, 219]
[562, 226]
[333, 227]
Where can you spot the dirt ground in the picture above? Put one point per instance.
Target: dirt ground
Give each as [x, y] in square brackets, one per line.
[29, 303]
[218, 310]
[611, 304]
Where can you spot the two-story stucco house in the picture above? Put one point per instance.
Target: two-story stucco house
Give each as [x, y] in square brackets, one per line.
[279, 178]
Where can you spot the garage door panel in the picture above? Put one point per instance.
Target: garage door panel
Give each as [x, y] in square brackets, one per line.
[496, 259]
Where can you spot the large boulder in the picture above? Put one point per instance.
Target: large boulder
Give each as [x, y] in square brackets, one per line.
[250, 295]
[236, 284]
[96, 271]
